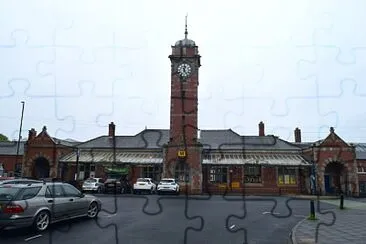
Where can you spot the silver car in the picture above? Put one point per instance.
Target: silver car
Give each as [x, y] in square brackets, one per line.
[40, 204]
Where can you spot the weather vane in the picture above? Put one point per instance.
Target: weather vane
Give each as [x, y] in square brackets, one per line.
[186, 32]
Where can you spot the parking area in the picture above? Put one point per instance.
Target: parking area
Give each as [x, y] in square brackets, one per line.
[174, 219]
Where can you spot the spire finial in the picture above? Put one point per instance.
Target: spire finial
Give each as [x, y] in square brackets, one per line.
[186, 31]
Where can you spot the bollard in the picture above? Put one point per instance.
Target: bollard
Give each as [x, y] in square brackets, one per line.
[342, 202]
[312, 209]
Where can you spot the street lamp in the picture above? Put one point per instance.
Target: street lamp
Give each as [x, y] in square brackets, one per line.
[20, 133]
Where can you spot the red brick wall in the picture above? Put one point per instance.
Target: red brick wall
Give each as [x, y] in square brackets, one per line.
[9, 162]
[268, 186]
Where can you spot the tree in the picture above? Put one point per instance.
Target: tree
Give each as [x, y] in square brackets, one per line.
[3, 137]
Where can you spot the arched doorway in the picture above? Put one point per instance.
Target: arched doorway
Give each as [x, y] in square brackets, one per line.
[334, 178]
[41, 168]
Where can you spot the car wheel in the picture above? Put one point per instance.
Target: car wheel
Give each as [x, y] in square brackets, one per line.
[93, 210]
[42, 221]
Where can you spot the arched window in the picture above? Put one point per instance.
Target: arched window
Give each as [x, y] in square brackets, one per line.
[182, 172]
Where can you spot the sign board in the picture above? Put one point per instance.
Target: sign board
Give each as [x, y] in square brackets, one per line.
[181, 153]
[222, 185]
[235, 184]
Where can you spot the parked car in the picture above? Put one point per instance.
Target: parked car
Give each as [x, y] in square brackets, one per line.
[38, 205]
[144, 185]
[19, 181]
[168, 185]
[93, 185]
[113, 185]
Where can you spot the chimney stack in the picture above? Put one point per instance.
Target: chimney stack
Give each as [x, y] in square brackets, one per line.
[32, 133]
[297, 135]
[261, 128]
[112, 129]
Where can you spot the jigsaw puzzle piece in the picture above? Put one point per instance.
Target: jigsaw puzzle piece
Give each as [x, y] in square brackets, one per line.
[327, 70]
[340, 105]
[124, 92]
[339, 34]
[37, 17]
[10, 109]
[71, 107]
[67, 70]
[19, 62]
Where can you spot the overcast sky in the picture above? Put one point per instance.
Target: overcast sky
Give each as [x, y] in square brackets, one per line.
[79, 65]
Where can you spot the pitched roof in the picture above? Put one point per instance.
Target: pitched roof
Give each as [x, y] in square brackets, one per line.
[10, 147]
[211, 139]
[360, 150]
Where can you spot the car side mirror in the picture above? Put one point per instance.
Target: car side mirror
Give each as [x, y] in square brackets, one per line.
[82, 195]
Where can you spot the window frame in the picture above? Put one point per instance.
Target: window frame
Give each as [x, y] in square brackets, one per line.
[218, 174]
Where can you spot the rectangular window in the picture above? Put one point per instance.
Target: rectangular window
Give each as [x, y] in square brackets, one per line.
[218, 174]
[182, 172]
[252, 174]
[152, 172]
[287, 176]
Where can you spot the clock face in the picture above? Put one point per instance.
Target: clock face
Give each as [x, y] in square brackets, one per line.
[184, 70]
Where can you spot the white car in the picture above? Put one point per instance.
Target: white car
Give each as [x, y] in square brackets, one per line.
[93, 185]
[144, 185]
[168, 185]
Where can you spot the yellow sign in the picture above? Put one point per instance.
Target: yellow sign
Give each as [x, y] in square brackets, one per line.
[181, 153]
[235, 184]
[222, 185]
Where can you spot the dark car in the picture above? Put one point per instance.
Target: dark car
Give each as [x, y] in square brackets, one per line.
[113, 186]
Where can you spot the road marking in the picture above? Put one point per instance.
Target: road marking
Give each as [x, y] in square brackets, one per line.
[232, 227]
[270, 212]
[33, 237]
[300, 216]
[109, 215]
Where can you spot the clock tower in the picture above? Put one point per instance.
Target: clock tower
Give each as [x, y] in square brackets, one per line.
[183, 152]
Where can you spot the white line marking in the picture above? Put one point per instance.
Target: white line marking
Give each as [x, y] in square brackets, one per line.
[33, 237]
[270, 213]
[300, 216]
[109, 215]
[231, 227]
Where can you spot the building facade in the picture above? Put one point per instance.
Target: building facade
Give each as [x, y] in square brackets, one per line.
[204, 161]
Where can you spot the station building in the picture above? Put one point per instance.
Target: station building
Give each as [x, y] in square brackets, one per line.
[204, 161]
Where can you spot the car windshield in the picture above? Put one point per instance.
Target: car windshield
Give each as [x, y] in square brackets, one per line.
[167, 181]
[142, 180]
[8, 193]
[91, 181]
[110, 180]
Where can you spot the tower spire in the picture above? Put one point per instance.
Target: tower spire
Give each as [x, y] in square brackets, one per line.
[186, 31]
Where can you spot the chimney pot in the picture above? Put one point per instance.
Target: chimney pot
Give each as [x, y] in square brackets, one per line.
[261, 128]
[32, 134]
[297, 135]
[112, 129]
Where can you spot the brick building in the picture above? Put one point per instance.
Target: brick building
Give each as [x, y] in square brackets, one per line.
[203, 160]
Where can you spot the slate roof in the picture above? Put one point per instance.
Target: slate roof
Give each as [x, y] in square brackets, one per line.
[10, 148]
[360, 150]
[211, 139]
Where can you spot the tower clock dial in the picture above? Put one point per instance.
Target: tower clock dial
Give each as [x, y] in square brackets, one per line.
[184, 70]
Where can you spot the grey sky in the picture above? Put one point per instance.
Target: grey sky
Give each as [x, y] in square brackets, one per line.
[82, 65]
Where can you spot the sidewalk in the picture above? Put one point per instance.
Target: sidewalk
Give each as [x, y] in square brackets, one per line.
[348, 227]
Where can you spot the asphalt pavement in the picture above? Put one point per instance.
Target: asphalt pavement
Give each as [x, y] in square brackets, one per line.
[173, 219]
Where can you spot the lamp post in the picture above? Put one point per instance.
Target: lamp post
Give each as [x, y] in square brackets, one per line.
[20, 133]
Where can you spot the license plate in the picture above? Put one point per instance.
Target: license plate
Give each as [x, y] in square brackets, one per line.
[111, 185]
[141, 184]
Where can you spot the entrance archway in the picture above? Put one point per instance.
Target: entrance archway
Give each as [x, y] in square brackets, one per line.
[334, 174]
[41, 168]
